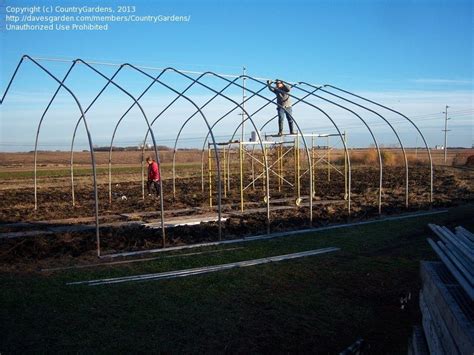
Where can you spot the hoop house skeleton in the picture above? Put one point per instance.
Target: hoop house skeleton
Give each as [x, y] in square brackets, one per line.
[303, 94]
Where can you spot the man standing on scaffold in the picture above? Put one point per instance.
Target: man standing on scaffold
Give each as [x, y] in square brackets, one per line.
[281, 91]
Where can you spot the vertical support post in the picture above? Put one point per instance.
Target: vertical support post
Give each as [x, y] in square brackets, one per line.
[210, 174]
[73, 194]
[295, 164]
[110, 181]
[241, 177]
[345, 168]
[282, 162]
[174, 174]
[298, 168]
[263, 168]
[279, 154]
[329, 159]
[313, 138]
[202, 171]
[224, 172]
[229, 150]
[252, 163]
[143, 179]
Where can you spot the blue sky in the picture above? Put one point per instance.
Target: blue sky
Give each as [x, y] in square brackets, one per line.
[414, 56]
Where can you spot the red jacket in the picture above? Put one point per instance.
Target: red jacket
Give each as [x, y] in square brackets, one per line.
[153, 173]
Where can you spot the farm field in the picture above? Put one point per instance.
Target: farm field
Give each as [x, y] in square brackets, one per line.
[290, 306]
[123, 219]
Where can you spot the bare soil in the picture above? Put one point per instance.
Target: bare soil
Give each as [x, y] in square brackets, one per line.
[452, 186]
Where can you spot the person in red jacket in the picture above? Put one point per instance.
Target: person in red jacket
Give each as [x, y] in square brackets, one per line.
[153, 176]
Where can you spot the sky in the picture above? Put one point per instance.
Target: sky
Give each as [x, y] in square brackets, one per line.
[413, 56]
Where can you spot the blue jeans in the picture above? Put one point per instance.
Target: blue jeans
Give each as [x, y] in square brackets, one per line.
[282, 112]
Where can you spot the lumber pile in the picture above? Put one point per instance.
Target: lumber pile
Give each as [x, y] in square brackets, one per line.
[447, 295]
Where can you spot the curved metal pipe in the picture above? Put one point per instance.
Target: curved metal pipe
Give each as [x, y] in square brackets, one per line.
[12, 78]
[373, 138]
[215, 123]
[71, 153]
[304, 141]
[89, 137]
[38, 132]
[143, 148]
[388, 123]
[346, 153]
[184, 124]
[409, 120]
[210, 129]
[212, 135]
[235, 131]
[252, 122]
[306, 147]
[243, 122]
[265, 158]
[109, 80]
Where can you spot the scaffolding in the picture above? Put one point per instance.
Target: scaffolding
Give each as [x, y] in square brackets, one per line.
[281, 148]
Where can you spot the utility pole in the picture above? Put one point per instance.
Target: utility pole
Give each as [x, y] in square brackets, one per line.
[445, 130]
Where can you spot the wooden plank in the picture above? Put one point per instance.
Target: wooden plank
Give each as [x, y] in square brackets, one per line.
[458, 263]
[454, 271]
[459, 237]
[451, 302]
[443, 331]
[431, 332]
[465, 232]
[453, 242]
[417, 343]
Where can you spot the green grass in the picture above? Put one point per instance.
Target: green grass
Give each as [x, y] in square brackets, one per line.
[321, 303]
[81, 171]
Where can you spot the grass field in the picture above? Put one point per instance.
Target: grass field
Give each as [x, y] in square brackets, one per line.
[315, 304]
[49, 172]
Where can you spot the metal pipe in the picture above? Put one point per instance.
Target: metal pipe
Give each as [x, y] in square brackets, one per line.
[306, 147]
[152, 136]
[249, 117]
[328, 155]
[38, 131]
[371, 134]
[209, 167]
[225, 180]
[220, 119]
[219, 202]
[409, 120]
[74, 138]
[391, 127]
[89, 137]
[241, 178]
[188, 119]
[259, 137]
[143, 146]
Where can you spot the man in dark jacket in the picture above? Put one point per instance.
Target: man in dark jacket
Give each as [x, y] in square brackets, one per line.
[153, 176]
[284, 108]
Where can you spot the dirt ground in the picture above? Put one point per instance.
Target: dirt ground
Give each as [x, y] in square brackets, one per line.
[452, 186]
